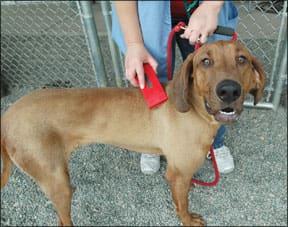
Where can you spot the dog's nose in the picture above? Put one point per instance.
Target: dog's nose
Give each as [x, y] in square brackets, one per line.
[228, 91]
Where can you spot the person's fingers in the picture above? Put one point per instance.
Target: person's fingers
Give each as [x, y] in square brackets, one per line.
[130, 75]
[186, 33]
[140, 75]
[194, 37]
[153, 63]
[203, 38]
[135, 57]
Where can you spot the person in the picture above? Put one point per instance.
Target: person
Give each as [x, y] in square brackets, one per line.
[141, 30]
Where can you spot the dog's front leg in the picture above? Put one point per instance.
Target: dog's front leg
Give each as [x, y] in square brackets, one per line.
[180, 185]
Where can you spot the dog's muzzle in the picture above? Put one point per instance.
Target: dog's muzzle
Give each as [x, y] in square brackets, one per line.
[228, 92]
[226, 115]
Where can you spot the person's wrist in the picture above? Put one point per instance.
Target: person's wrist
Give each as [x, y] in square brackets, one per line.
[213, 6]
[133, 44]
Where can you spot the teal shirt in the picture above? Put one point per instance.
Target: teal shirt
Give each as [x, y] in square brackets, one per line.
[155, 22]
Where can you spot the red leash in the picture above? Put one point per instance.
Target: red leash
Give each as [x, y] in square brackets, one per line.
[177, 28]
[217, 175]
[224, 31]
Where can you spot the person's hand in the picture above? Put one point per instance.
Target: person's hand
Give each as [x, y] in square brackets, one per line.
[203, 22]
[136, 55]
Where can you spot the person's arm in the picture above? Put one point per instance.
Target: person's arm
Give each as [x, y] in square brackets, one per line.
[136, 53]
[203, 21]
[129, 22]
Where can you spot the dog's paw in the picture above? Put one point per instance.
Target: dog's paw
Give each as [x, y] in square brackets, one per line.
[193, 220]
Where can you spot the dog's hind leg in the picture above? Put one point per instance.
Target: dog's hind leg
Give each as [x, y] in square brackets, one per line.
[58, 189]
[53, 178]
[44, 160]
[55, 182]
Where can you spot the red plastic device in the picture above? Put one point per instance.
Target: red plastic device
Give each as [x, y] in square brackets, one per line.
[153, 92]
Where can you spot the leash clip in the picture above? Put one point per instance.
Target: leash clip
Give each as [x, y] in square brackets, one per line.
[183, 27]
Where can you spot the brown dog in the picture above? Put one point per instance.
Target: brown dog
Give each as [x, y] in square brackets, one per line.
[39, 132]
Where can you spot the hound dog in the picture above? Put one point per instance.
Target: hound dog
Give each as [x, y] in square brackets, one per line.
[40, 130]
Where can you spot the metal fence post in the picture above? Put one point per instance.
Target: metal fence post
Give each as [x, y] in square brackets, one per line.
[282, 31]
[114, 54]
[282, 77]
[93, 42]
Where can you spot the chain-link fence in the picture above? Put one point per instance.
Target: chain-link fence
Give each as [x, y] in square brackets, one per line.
[263, 29]
[45, 44]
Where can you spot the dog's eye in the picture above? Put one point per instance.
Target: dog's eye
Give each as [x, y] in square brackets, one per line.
[206, 62]
[241, 59]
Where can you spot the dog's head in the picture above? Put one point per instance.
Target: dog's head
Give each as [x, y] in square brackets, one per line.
[218, 75]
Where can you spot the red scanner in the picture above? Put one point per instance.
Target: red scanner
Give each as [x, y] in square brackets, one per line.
[153, 92]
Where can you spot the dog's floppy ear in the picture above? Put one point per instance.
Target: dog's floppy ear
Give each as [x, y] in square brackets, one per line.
[181, 87]
[260, 79]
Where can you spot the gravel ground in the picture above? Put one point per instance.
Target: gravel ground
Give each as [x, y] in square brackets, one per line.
[111, 190]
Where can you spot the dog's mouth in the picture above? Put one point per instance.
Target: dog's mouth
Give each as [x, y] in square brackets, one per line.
[226, 115]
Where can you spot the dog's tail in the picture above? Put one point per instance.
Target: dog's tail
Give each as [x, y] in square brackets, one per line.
[7, 165]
